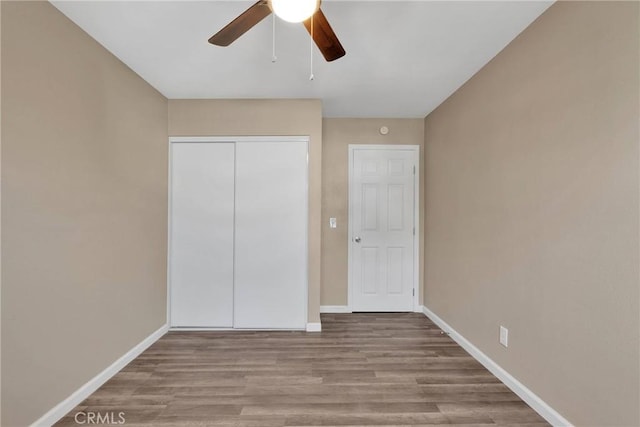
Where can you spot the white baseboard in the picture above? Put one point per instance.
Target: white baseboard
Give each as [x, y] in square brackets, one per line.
[314, 327]
[538, 405]
[206, 329]
[334, 309]
[63, 408]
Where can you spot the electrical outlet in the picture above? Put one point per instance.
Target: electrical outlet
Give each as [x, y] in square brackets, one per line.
[333, 223]
[504, 336]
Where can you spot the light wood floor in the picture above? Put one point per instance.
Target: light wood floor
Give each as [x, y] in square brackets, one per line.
[361, 370]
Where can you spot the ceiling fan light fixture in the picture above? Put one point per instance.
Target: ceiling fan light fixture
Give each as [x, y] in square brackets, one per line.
[294, 10]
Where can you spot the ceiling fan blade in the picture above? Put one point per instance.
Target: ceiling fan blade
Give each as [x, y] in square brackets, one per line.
[325, 38]
[241, 24]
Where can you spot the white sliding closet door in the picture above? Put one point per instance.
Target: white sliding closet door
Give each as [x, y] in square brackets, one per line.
[271, 235]
[202, 193]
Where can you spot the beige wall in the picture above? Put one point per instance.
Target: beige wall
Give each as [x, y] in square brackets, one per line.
[337, 135]
[0, 217]
[532, 214]
[84, 186]
[264, 117]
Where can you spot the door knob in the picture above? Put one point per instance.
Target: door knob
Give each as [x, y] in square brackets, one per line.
[357, 239]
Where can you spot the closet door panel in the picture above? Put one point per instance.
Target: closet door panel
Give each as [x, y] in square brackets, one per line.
[202, 196]
[271, 235]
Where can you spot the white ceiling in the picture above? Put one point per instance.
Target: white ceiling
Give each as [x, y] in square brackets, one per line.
[403, 57]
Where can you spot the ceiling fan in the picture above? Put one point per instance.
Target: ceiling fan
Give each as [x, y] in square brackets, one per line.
[306, 11]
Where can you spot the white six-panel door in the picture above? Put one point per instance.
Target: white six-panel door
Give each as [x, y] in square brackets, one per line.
[382, 229]
[238, 242]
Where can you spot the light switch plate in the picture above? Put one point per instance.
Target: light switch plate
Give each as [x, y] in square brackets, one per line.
[504, 336]
[333, 223]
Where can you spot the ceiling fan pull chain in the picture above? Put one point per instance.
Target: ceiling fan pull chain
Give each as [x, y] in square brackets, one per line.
[311, 77]
[274, 58]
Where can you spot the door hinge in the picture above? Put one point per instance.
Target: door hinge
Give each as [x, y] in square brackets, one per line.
[414, 292]
[414, 231]
[414, 169]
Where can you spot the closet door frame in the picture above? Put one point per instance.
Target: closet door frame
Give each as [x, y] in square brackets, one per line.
[232, 139]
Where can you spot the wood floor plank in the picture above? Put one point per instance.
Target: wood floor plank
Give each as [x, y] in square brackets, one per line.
[369, 369]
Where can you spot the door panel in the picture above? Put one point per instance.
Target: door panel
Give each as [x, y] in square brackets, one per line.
[395, 264]
[382, 212]
[271, 235]
[370, 204]
[370, 270]
[395, 207]
[202, 200]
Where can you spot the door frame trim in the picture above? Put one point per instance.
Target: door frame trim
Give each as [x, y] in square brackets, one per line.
[229, 139]
[416, 219]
